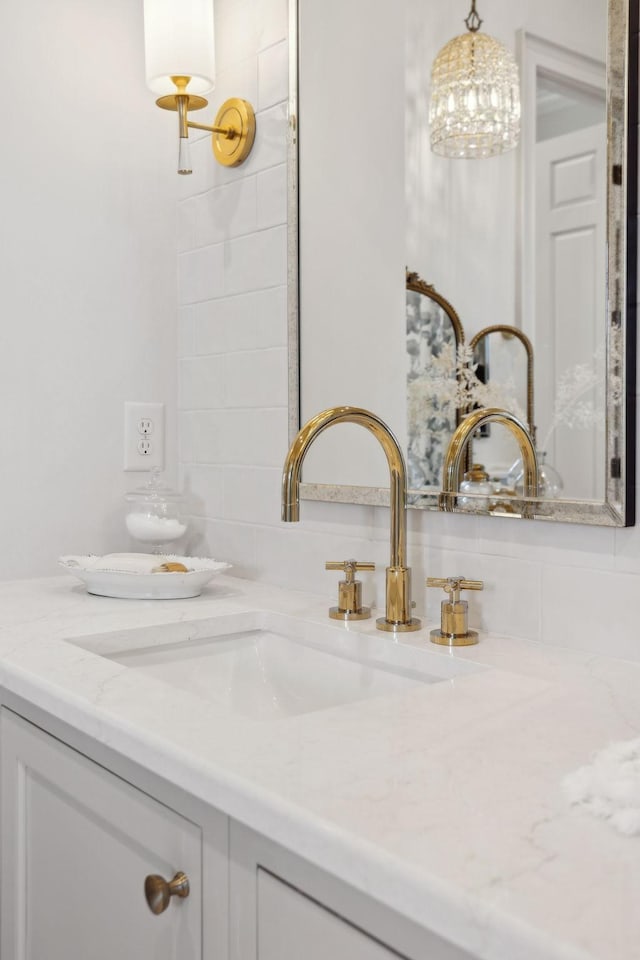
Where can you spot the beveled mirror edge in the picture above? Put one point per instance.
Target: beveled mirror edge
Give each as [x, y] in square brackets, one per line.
[293, 242]
[618, 510]
[631, 265]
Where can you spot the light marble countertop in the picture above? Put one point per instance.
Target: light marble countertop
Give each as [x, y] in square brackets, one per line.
[444, 802]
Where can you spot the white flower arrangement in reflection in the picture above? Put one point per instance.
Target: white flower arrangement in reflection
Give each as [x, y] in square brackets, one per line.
[450, 383]
[577, 402]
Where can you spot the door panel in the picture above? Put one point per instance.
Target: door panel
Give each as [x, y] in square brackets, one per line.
[77, 844]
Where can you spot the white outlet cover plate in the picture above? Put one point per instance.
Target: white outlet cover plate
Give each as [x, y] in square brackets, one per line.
[134, 459]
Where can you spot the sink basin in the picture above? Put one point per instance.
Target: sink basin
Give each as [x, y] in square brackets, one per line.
[263, 665]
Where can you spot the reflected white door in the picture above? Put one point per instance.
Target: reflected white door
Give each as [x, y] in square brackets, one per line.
[570, 296]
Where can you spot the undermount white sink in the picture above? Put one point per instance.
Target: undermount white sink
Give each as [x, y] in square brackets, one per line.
[264, 665]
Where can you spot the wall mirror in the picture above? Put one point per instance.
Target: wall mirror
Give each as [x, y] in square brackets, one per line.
[419, 281]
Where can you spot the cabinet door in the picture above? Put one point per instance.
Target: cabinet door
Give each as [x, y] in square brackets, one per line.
[291, 926]
[281, 907]
[77, 845]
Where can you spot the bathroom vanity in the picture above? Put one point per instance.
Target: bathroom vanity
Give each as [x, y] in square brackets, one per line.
[93, 835]
[340, 795]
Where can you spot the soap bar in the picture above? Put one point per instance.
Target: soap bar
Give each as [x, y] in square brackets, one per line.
[170, 567]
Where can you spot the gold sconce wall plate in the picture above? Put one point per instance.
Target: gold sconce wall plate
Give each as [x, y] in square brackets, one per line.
[237, 116]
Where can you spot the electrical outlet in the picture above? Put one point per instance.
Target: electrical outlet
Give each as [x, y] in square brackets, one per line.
[143, 436]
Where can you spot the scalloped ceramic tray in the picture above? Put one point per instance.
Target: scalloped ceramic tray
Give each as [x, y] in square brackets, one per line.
[128, 576]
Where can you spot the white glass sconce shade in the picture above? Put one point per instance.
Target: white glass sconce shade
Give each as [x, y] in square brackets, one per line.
[179, 41]
[475, 98]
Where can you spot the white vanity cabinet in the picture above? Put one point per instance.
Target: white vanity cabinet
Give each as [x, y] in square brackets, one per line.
[77, 845]
[283, 908]
[78, 841]
[291, 925]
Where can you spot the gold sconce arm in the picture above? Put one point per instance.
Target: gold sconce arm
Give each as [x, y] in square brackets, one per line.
[232, 134]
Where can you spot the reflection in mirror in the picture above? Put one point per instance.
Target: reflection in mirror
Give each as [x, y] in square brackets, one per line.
[503, 388]
[524, 240]
[434, 336]
[547, 200]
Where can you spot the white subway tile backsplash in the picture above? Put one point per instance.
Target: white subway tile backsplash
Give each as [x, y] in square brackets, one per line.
[342, 520]
[204, 486]
[272, 196]
[201, 383]
[186, 332]
[207, 434]
[259, 320]
[290, 555]
[186, 224]
[224, 213]
[256, 261]
[236, 437]
[237, 79]
[185, 438]
[446, 531]
[252, 494]
[257, 379]
[591, 610]
[548, 542]
[510, 603]
[272, 21]
[273, 85]
[209, 327]
[254, 437]
[234, 543]
[249, 321]
[200, 274]
[271, 139]
[236, 24]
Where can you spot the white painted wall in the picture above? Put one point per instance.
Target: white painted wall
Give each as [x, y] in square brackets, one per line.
[556, 583]
[352, 228]
[87, 273]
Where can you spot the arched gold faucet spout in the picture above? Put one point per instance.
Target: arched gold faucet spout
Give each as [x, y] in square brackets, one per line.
[454, 456]
[398, 602]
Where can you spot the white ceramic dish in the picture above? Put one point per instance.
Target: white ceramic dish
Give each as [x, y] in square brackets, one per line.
[128, 576]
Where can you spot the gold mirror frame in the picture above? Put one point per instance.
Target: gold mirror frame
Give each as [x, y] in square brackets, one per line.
[415, 283]
[618, 507]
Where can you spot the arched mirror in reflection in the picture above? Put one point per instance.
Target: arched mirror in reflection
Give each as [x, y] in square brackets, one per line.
[434, 336]
[502, 357]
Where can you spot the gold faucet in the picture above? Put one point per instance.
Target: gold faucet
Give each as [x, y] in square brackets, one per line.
[398, 592]
[453, 460]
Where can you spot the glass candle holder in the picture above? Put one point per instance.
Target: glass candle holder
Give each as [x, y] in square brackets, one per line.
[154, 515]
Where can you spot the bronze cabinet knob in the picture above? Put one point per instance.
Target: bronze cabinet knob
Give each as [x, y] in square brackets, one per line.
[159, 891]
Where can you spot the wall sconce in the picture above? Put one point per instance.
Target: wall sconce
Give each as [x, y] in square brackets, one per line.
[180, 54]
[475, 95]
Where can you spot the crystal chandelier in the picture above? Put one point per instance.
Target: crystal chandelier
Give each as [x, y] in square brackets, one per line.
[475, 95]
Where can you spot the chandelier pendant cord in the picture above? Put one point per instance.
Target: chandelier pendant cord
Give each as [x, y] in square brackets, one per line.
[473, 21]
